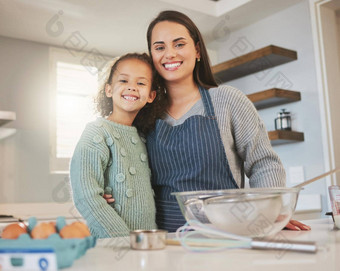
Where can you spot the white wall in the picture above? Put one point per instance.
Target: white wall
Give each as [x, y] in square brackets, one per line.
[24, 156]
[332, 67]
[291, 29]
[334, 87]
[338, 27]
[24, 88]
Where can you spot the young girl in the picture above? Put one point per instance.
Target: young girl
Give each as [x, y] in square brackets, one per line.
[111, 158]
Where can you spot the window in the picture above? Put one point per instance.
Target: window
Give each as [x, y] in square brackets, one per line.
[75, 90]
[73, 87]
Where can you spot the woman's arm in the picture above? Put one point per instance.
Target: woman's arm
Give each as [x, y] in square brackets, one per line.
[262, 165]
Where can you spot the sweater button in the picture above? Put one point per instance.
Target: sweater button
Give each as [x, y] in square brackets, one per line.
[143, 157]
[109, 141]
[120, 177]
[108, 190]
[132, 170]
[134, 140]
[97, 139]
[118, 207]
[129, 193]
[116, 134]
[123, 152]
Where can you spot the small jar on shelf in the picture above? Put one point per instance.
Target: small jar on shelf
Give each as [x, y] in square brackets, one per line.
[283, 121]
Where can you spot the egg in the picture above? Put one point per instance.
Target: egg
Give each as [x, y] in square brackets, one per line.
[13, 231]
[43, 230]
[74, 230]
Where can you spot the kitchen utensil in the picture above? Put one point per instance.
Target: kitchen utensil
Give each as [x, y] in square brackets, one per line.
[317, 178]
[253, 212]
[334, 195]
[8, 219]
[266, 205]
[231, 241]
[299, 246]
[148, 239]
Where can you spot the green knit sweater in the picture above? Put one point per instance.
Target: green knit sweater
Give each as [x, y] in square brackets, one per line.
[112, 158]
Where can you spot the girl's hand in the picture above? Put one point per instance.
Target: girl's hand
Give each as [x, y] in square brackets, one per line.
[108, 198]
[297, 226]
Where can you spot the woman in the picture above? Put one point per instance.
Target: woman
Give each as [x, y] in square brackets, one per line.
[211, 135]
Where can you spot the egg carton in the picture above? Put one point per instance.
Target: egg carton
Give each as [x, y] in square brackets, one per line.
[66, 250]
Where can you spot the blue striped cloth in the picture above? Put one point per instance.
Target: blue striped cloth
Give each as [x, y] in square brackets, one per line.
[186, 157]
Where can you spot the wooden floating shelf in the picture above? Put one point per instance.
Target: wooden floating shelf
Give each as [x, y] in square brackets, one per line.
[280, 137]
[6, 116]
[273, 97]
[259, 60]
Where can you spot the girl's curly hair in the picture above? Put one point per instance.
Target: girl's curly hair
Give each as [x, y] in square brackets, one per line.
[146, 117]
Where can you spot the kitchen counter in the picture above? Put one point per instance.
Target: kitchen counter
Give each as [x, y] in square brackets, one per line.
[115, 254]
[42, 211]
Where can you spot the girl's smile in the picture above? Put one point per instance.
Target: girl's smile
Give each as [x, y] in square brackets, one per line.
[130, 97]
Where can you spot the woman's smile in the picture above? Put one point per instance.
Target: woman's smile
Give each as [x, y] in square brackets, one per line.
[172, 66]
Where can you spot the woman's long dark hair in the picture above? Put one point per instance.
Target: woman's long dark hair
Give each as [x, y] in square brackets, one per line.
[146, 117]
[202, 72]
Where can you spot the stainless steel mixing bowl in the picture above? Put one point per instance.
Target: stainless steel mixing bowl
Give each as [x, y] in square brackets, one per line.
[253, 212]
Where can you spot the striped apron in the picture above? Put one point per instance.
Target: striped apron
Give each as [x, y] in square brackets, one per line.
[186, 157]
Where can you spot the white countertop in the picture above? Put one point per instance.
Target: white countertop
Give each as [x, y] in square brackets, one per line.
[115, 254]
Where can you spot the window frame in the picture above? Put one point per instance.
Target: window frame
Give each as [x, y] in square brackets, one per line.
[60, 165]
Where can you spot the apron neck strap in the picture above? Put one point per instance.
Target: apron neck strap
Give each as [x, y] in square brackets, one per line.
[207, 103]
